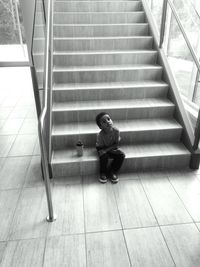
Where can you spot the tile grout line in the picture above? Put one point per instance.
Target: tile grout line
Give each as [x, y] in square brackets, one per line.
[82, 186]
[16, 135]
[129, 258]
[17, 203]
[193, 221]
[159, 226]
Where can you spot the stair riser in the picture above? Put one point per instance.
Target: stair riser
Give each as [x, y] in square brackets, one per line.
[98, 18]
[103, 44]
[38, 45]
[39, 6]
[108, 93]
[39, 60]
[129, 138]
[107, 76]
[97, 6]
[99, 30]
[39, 31]
[39, 76]
[115, 113]
[96, 0]
[91, 167]
[105, 59]
[39, 18]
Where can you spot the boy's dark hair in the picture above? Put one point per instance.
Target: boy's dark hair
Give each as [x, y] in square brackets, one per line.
[98, 118]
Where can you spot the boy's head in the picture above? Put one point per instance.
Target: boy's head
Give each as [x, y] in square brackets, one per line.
[103, 120]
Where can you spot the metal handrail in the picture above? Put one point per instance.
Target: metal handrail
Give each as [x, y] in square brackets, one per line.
[162, 32]
[47, 71]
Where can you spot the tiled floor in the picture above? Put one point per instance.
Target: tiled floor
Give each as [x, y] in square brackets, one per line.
[147, 219]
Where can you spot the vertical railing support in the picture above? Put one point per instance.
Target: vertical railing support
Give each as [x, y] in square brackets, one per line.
[52, 216]
[163, 22]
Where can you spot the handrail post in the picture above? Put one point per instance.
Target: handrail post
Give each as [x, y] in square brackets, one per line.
[197, 132]
[163, 22]
[52, 216]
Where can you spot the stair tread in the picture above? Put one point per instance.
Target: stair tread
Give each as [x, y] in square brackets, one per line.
[131, 151]
[102, 37]
[104, 1]
[124, 126]
[106, 67]
[98, 12]
[98, 24]
[75, 86]
[102, 52]
[97, 1]
[99, 52]
[110, 104]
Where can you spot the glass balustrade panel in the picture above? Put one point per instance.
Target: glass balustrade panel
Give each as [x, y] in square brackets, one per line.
[183, 68]
[12, 39]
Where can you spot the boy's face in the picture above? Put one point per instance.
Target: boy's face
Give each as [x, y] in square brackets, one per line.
[106, 122]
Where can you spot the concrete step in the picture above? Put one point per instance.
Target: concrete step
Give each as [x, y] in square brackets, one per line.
[83, 111]
[96, 58]
[113, 73]
[97, 6]
[105, 91]
[39, 18]
[132, 132]
[97, 17]
[39, 45]
[65, 162]
[39, 31]
[38, 58]
[93, 0]
[101, 43]
[98, 30]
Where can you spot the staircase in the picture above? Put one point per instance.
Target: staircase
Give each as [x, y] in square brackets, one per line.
[104, 60]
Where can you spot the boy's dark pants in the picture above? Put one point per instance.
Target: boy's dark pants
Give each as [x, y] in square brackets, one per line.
[117, 157]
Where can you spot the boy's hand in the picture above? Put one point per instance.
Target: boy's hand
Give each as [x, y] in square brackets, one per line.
[101, 152]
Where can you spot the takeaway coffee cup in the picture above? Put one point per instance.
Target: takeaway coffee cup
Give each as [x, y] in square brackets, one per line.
[79, 148]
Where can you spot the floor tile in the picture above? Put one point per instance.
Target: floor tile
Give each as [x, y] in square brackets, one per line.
[8, 203]
[31, 114]
[36, 150]
[65, 251]
[166, 204]
[6, 142]
[184, 243]
[128, 176]
[2, 249]
[100, 207]
[2, 122]
[30, 216]
[68, 205]
[67, 180]
[34, 173]
[11, 126]
[13, 172]
[23, 145]
[188, 188]
[18, 112]
[133, 205]
[5, 112]
[198, 225]
[147, 247]
[29, 126]
[9, 101]
[106, 249]
[24, 253]
[2, 161]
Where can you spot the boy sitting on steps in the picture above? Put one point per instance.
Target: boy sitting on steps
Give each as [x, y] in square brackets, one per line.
[107, 147]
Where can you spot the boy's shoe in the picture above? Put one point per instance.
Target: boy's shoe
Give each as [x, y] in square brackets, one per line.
[103, 179]
[114, 178]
